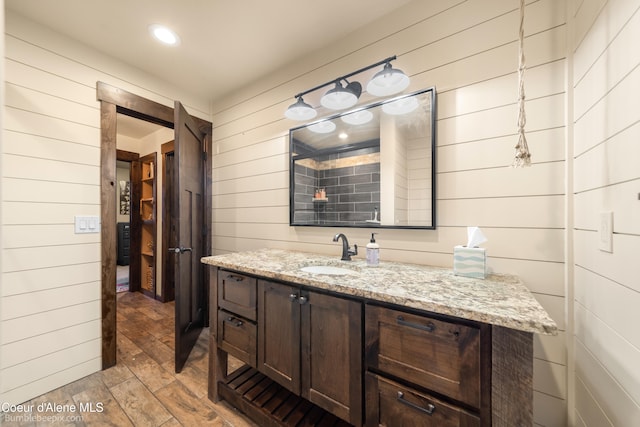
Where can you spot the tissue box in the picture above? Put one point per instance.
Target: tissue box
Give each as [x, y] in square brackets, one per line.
[470, 262]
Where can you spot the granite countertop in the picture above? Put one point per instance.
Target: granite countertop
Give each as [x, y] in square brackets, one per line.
[500, 299]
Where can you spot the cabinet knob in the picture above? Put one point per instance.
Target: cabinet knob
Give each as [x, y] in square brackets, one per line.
[293, 297]
[303, 300]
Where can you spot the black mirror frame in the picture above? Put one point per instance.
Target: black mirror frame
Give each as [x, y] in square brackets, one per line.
[292, 160]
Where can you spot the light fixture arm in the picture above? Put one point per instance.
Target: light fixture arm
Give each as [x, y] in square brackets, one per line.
[339, 79]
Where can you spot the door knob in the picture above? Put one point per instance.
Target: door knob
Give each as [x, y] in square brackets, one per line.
[179, 250]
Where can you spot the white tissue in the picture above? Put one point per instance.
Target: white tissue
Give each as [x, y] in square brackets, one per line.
[475, 237]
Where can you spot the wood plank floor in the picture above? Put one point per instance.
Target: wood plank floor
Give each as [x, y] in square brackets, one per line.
[143, 388]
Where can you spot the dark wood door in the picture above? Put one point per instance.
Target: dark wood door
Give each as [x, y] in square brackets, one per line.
[332, 354]
[279, 333]
[188, 206]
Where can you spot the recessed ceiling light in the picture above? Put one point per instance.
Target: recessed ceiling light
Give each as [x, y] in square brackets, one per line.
[164, 34]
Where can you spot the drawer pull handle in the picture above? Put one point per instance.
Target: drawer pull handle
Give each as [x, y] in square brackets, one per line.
[429, 327]
[428, 410]
[235, 322]
[235, 278]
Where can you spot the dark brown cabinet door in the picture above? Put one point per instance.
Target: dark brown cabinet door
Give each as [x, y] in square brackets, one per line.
[279, 333]
[332, 354]
[311, 344]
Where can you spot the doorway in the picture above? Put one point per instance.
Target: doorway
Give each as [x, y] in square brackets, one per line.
[114, 101]
[123, 221]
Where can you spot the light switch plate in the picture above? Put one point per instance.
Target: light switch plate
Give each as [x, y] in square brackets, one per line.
[605, 232]
[87, 224]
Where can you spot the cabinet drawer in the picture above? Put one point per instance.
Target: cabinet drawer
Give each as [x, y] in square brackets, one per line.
[237, 336]
[237, 293]
[392, 405]
[438, 355]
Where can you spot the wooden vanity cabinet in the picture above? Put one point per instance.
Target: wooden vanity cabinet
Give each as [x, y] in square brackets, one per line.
[310, 355]
[311, 343]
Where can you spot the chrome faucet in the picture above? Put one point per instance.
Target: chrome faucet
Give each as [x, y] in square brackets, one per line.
[346, 251]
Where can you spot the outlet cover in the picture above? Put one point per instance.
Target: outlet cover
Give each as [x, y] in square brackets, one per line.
[605, 232]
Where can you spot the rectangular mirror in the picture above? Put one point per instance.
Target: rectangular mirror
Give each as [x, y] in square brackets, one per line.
[369, 167]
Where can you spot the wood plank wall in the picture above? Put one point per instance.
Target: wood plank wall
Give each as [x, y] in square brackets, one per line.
[606, 152]
[50, 293]
[468, 51]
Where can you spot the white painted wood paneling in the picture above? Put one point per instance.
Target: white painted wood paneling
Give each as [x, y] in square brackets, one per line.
[617, 355]
[610, 68]
[524, 211]
[606, 176]
[26, 304]
[605, 120]
[620, 408]
[46, 322]
[618, 198]
[613, 304]
[588, 407]
[547, 145]
[616, 266]
[33, 370]
[549, 411]
[35, 347]
[613, 162]
[26, 281]
[21, 144]
[551, 377]
[550, 347]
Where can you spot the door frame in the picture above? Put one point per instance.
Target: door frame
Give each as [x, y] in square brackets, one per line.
[112, 101]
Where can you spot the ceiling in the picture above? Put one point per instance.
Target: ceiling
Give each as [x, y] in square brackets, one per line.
[230, 41]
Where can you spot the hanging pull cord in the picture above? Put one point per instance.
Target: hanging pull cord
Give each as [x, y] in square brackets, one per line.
[522, 156]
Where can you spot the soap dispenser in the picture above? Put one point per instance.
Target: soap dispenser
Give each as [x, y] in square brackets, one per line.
[373, 252]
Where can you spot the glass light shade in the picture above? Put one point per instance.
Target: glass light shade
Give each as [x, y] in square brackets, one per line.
[388, 82]
[358, 117]
[300, 111]
[339, 98]
[401, 106]
[323, 127]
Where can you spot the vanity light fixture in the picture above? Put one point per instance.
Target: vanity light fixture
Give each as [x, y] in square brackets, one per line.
[164, 34]
[300, 110]
[389, 81]
[341, 97]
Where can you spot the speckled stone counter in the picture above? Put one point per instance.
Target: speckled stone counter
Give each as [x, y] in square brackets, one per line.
[500, 300]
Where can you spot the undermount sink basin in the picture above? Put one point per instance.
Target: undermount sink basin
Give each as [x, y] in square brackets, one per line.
[327, 269]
